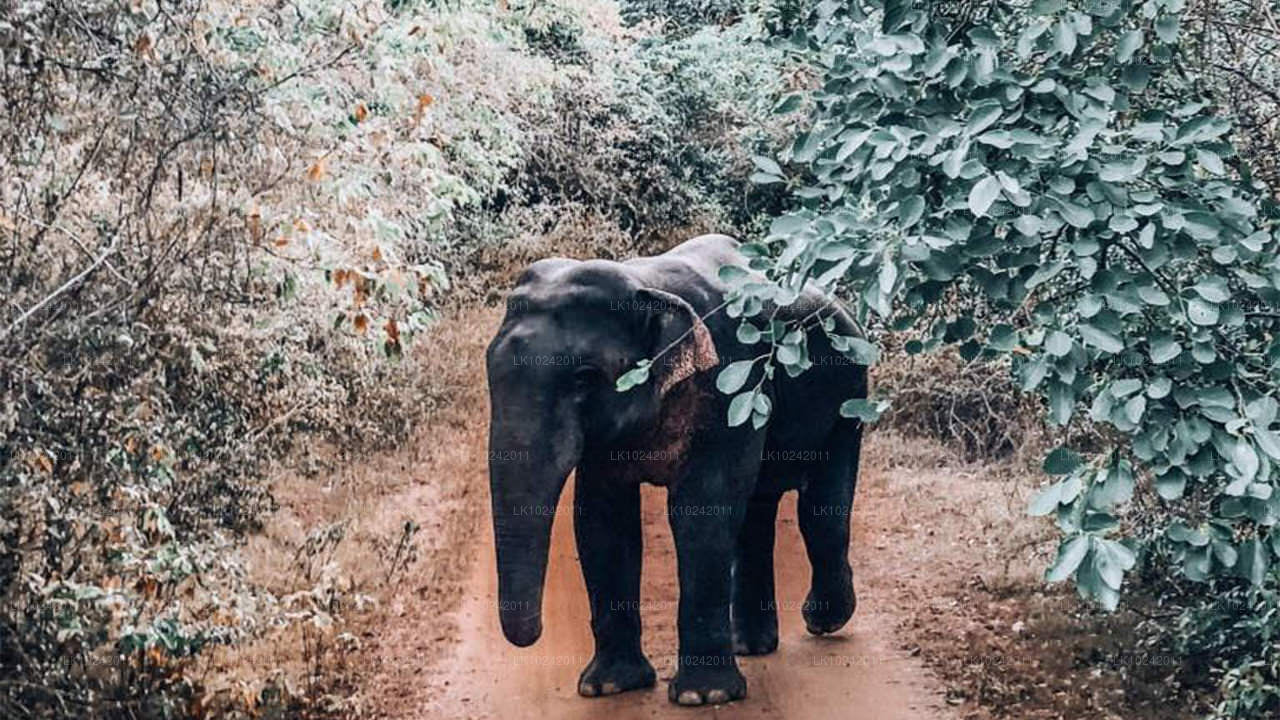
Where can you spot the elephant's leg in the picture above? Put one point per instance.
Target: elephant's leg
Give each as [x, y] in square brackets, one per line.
[755, 611]
[825, 506]
[606, 524]
[705, 523]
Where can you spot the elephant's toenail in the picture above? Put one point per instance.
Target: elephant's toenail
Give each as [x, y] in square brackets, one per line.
[715, 697]
[610, 688]
[587, 690]
[689, 697]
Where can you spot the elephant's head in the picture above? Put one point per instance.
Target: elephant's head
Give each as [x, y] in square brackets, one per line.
[571, 329]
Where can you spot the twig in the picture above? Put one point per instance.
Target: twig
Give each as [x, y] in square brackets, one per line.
[65, 287]
[74, 238]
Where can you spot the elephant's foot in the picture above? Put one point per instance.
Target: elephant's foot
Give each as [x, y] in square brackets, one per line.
[708, 685]
[756, 635]
[829, 607]
[612, 674]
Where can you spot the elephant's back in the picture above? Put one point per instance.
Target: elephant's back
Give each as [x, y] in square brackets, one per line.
[691, 269]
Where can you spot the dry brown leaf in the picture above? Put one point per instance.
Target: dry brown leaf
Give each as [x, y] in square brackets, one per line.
[362, 323]
[143, 44]
[255, 225]
[318, 171]
[361, 113]
[393, 331]
[358, 291]
[40, 460]
[424, 102]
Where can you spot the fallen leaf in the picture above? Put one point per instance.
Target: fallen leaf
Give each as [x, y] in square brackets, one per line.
[361, 113]
[41, 461]
[318, 171]
[424, 101]
[362, 323]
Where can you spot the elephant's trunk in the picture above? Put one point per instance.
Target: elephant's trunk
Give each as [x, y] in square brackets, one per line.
[528, 465]
[522, 534]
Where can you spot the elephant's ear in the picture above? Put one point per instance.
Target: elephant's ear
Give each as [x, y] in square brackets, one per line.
[674, 327]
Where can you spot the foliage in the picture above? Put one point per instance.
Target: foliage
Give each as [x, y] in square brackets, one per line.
[1230, 49]
[1235, 636]
[667, 142]
[208, 256]
[1051, 160]
[682, 16]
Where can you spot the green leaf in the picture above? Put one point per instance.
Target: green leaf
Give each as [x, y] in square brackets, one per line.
[636, 376]
[1046, 501]
[734, 376]
[864, 409]
[1164, 348]
[788, 104]
[1101, 339]
[1253, 561]
[983, 118]
[767, 165]
[740, 408]
[1128, 45]
[1203, 313]
[910, 211]
[1061, 460]
[1213, 289]
[983, 194]
[1171, 485]
[1071, 553]
[1167, 27]
[1058, 344]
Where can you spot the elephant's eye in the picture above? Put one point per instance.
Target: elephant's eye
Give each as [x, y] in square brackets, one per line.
[587, 378]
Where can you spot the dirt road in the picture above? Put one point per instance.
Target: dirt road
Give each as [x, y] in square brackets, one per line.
[854, 674]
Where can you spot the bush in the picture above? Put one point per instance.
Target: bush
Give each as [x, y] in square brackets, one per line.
[1056, 163]
[650, 141]
[680, 17]
[1236, 637]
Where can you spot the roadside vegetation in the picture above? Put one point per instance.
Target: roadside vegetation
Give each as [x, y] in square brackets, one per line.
[224, 224]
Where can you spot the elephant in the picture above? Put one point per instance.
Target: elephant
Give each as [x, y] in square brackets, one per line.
[571, 329]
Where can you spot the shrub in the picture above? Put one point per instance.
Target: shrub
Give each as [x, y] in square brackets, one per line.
[680, 17]
[1053, 162]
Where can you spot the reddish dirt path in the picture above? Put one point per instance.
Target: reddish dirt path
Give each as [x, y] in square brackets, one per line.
[854, 674]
